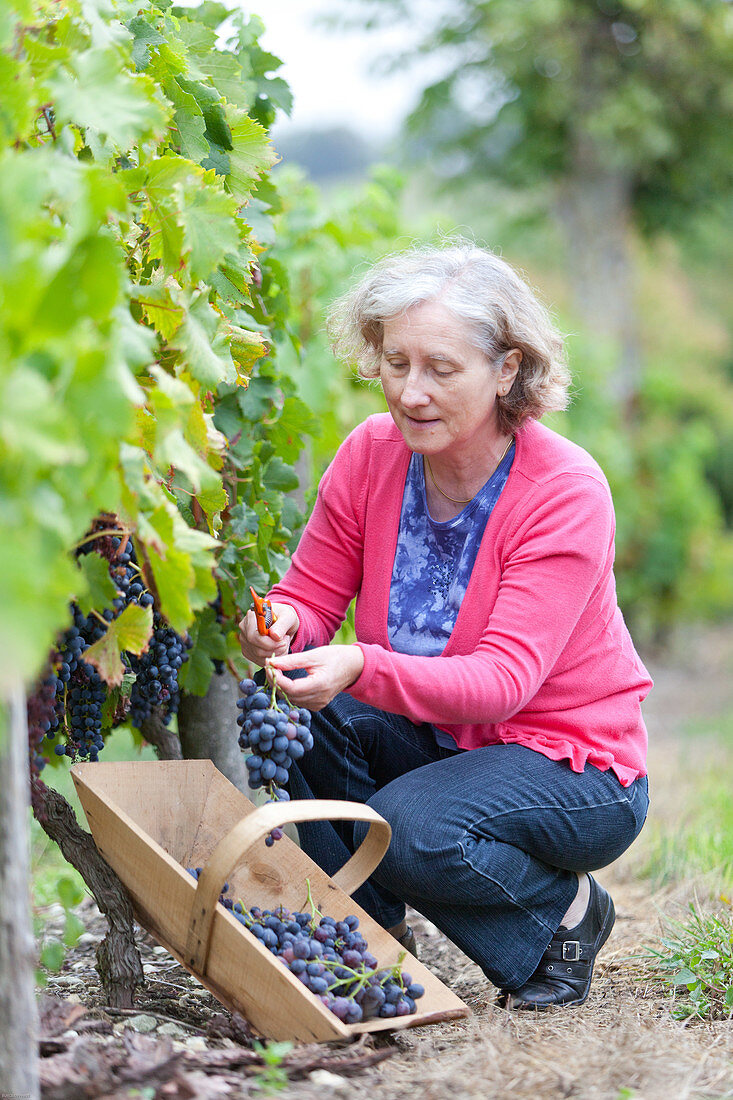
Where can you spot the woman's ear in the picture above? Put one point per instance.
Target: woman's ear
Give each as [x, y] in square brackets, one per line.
[509, 368]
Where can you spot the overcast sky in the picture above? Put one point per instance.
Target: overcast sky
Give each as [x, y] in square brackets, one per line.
[329, 72]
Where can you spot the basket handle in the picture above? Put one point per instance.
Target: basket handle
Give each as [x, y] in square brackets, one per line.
[232, 848]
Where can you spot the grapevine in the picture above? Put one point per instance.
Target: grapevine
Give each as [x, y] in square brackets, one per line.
[141, 374]
[331, 958]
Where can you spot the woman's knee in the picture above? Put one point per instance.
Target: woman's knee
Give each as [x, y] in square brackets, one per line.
[422, 847]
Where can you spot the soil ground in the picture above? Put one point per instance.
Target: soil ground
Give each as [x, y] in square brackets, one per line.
[622, 1044]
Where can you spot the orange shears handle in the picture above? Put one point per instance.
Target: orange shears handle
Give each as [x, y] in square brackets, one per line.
[264, 614]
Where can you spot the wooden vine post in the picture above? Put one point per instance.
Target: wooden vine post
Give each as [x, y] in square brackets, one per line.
[18, 1013]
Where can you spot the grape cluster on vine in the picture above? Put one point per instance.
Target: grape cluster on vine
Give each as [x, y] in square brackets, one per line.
[218, 607]
[79, 691]
[331, 958]
[71, 697]
[277, 733]
[41, 712]
[156, 674]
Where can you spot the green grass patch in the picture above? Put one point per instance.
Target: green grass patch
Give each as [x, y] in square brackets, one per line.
[700, 840]
[702, 843]
[694, 962]
[49, 869]
[695, 965]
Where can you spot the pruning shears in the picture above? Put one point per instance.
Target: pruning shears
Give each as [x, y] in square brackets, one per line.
[264, 614]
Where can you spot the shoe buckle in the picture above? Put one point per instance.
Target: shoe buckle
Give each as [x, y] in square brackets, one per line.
[571, 950]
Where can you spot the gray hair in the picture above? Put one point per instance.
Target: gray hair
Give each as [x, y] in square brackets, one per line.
[478, 287]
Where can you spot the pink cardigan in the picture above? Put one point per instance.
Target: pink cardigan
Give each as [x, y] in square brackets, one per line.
[539, 655]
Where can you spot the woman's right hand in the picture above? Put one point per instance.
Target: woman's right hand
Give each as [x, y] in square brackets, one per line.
[258, 647]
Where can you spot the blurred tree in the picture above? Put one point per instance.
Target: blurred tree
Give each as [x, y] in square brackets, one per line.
[624, 105]
[326, 153]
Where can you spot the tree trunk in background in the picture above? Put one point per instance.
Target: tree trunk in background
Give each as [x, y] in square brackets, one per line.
[207, 727]
[166, 743]
[594, 210]
[18, 1012]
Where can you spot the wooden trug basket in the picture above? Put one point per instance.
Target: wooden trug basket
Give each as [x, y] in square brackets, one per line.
[152, 820]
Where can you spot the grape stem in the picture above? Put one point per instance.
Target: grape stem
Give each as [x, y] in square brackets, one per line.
[51, 129]
[99, 535]
[275, 689]
[359, 976]
[315, 911]
[245, 913]
[65, 724]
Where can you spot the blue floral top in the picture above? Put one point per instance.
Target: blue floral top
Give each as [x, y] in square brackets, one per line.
[433, 564]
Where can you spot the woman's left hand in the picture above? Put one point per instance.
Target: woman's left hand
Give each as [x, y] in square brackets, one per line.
[330, 669]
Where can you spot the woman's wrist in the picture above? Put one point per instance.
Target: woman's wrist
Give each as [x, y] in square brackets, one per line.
[356, 659]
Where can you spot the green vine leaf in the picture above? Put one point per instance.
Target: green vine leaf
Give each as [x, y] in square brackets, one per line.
[99, 95]
[188, 119]
[145, 37]
[202, 346]
[209, 644]
[251, 153]
[140, 303]
[210, 227]
[101, 589]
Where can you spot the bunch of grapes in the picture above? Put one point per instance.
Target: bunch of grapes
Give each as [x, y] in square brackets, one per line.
[218, 608]
[126, 574]
[156, 673]
[79, 691]
[41, 711]
[277, 734]
[156, 670]
[331, 958]
[73, 693]
[85, 698]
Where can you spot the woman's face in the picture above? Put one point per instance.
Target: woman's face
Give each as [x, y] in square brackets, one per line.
[440, 389]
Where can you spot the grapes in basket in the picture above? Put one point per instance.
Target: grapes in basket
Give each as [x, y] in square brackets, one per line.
[277, 733]
[331, 958]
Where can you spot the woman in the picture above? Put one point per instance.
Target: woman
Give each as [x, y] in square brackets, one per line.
[490, 709]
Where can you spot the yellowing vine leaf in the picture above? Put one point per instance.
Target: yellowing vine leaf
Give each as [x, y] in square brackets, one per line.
[159, 307]
[131, 632]
[246, 348]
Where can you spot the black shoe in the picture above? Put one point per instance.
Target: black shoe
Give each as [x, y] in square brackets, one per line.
[408, 941]
[565, 971]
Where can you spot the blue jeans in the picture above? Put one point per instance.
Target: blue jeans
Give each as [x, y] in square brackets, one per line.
[484, 844]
